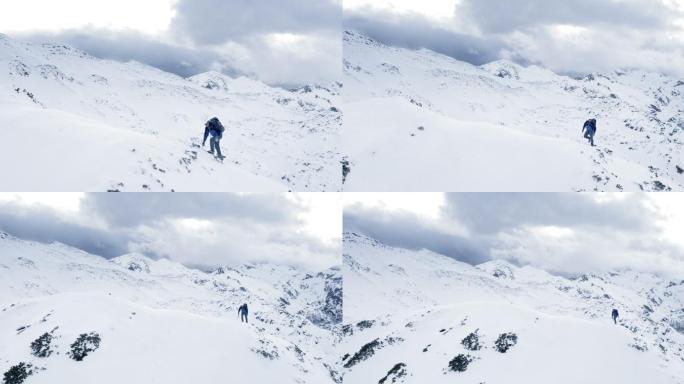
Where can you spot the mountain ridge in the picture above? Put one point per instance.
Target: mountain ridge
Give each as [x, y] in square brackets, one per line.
[484, 128]
[184, 319]
[151, 122]
[416, 308]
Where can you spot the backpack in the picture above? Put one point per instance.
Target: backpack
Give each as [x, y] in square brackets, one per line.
[590, 124]
[215, 125]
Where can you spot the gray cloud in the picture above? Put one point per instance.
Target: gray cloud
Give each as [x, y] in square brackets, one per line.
[197, 229]
[560, 232]
[511, 15]
[491, 213]
[415, 31]
[406, 230]
[316, 58]
[243, 31]
[233, 37]
[47, 225]
[130, 209]
[610, 34]
[132, 45]
[217, 21]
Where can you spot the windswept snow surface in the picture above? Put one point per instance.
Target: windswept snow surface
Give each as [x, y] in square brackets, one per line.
[413, 309]
[160, 322]
[421, 121]
[72, 122]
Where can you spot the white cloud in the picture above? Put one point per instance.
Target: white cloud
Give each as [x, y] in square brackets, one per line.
[567, 233]
[149, 16]
[567, 36]
[64, 202]
[197, 229]
[322, 217]
[281, 42]
[435, 9]
[426, 204]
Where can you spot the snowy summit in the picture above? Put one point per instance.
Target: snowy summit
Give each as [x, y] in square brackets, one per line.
[77, 123]
[416, 120]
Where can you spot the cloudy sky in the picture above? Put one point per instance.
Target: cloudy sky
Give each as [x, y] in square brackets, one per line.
[199, 229]
[566, 233]
[288, 42]
[567, 36]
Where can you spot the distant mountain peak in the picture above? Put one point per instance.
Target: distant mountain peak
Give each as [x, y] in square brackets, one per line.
[61, 291]
[213, 80]
[499, 268]
[409, 307]
[135, 262]
[157, 119]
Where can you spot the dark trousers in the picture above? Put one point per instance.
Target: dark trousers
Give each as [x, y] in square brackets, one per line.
[243, 317]
[215, 145]
[589, 134]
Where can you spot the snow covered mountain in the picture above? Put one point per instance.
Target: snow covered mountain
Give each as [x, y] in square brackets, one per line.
[420, 317]
[74, 122]
[418, 120]
[136, 320]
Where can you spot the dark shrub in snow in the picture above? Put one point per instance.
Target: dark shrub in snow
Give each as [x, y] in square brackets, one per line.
[394, 374]
[271, 355]
[365, 352]
[40, 347]
[364, 324]
[18, 373]
[472, 342]
[346, 169]
[460, 363]
[84, 344]
[505, 342]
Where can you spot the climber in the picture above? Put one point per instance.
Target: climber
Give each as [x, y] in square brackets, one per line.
[242, 312]
[589, 130]
[214, 128]
[615, 315]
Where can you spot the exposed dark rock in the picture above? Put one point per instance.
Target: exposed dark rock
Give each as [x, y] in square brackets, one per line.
[365, 324]
[347, 330]
[346, 169]
[334, 374]
[328, 315]
[369, 350]
[364, 353]
[394, 374]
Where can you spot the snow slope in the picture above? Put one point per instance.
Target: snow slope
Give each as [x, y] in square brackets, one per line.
[421, 121]
[406, 314]
[160, 322]
[72, 122]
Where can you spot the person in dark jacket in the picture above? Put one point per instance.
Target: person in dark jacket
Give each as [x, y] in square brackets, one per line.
[589, 130]
[615, 315]
[243, 312]
[214, 128]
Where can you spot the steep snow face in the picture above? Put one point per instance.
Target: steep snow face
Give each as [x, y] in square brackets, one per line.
[418, 120]
[74, 122]
[419, 317]
[162, 322]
